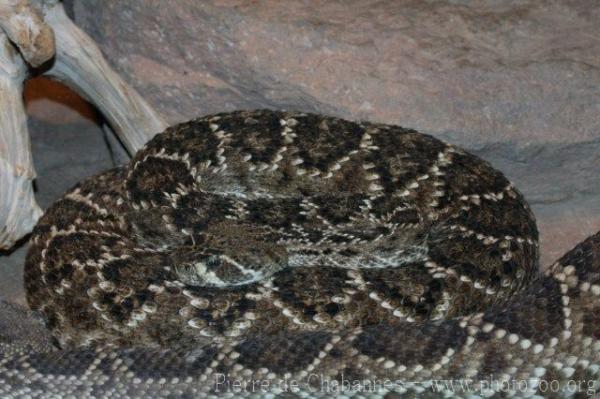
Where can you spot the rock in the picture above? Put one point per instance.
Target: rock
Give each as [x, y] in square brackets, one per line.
[476, 73]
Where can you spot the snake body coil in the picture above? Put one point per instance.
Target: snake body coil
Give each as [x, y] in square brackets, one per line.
[279, 246]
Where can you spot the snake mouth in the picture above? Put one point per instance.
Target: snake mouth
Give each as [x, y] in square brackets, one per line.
[216, 271]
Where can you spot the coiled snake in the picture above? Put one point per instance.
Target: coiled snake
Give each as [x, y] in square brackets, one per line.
[278, 253]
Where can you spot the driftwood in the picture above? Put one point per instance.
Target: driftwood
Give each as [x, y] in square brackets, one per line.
[41, 30]
[18, 209]
[25, 27]
[80, 65]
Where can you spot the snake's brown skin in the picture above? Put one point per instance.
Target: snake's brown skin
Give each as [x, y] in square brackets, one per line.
[268, 245]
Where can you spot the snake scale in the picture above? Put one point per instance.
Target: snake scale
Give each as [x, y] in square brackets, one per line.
[286, 254]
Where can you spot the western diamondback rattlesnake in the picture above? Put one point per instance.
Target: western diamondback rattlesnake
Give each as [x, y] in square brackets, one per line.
[255, 253]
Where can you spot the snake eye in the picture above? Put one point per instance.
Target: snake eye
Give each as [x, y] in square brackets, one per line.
[213, 262]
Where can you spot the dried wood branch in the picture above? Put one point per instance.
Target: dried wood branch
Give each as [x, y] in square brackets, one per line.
[41, 29]
[18, 209]
[25, 28]
[80, 64]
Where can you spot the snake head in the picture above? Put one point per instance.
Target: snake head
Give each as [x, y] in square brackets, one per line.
[228, 261]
